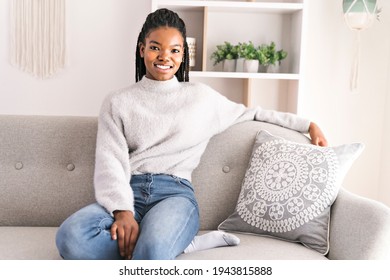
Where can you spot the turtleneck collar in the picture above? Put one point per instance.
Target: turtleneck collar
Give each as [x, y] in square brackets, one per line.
[159, 86]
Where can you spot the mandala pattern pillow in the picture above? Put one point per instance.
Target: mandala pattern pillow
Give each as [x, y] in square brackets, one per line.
[288, 190]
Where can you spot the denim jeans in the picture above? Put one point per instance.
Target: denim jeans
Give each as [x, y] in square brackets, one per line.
[165, 209]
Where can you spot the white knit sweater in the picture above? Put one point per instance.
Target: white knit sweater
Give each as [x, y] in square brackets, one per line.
[163, 127]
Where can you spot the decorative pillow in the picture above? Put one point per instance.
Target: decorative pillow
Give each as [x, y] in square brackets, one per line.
[288, 190]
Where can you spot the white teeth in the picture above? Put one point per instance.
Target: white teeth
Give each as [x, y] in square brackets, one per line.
[164, 67]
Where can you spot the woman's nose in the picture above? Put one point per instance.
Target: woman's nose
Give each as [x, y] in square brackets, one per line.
[163, 55]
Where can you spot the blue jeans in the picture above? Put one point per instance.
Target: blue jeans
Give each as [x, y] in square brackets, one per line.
[165, 209]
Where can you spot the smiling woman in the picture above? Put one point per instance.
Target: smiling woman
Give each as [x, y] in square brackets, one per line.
[162, 53]
[152, 39]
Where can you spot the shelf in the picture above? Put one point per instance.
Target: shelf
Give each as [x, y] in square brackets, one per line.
[224, 6]
[240, 75]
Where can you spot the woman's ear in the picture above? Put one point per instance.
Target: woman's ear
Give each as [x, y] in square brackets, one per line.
[141, 49]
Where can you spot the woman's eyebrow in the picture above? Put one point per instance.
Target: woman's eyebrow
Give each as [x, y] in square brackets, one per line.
[157, 43]
[154, 42]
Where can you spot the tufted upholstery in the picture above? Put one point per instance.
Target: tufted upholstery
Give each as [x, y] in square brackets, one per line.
[46, 168]
[46, 174]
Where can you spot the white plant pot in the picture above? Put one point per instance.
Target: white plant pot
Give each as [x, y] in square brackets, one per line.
[240, 65]
[273, 68]
[251, 66]
[229, 65]
[263, 68]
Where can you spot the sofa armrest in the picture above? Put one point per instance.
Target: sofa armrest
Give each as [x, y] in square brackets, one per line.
[359, 228]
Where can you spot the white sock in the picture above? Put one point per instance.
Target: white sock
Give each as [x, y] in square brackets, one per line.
[211, 240]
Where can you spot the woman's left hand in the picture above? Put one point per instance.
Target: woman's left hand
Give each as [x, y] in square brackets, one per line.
[316, 135]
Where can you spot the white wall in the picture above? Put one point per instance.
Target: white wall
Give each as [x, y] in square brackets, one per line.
[101, 39]
[346, 117]
[384, 190]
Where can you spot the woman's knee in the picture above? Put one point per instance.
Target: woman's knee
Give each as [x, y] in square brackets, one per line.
[78, 236]
[167, 229]
[67, 241]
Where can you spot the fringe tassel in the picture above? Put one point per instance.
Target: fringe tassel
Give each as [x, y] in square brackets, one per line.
[355, 65]
[37, 43]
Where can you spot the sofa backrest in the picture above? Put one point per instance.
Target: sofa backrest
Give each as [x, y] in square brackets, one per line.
[47, 163]
[46, 168]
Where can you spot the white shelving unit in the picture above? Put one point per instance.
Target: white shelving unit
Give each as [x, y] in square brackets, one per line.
[213, 22]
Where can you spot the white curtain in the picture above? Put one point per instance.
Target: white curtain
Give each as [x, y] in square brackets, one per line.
[37, 36]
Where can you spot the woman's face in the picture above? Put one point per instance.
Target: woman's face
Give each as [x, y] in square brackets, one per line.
[163, 53]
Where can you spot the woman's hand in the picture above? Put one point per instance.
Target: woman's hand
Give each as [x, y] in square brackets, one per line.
[125, 229]
[316, 135]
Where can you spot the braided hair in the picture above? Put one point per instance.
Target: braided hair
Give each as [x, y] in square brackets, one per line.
[162, 18]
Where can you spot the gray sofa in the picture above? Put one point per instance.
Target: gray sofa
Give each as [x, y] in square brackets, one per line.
[46, 171]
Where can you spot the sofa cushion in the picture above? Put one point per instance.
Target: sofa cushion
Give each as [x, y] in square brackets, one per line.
[288, 190]
[38, 243]
[28, 243]
[253, 247]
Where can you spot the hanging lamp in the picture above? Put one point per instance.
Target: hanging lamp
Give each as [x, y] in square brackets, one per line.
[359, 15]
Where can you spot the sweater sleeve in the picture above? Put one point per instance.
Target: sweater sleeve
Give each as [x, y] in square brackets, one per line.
[112, 165]
[288, 120]
[230, 113]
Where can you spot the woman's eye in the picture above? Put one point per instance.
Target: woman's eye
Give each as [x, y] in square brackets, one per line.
[154, 48]
[175, 51]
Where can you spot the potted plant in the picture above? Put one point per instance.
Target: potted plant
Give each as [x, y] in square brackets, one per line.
[227, 54]
[263, 57]
[276, 61]
[251, 62]
[270, 58]
[280, 55]
[240, 49]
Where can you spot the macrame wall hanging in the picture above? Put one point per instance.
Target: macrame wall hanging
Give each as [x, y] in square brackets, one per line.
[37, 36]
[359, 15]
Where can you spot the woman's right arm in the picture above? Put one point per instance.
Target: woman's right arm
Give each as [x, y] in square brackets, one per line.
[112, 165]
[112, 178]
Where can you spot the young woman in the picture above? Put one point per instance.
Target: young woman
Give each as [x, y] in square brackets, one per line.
[152, 134]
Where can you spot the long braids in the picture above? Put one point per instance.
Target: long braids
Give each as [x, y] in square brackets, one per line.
[161, 18]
